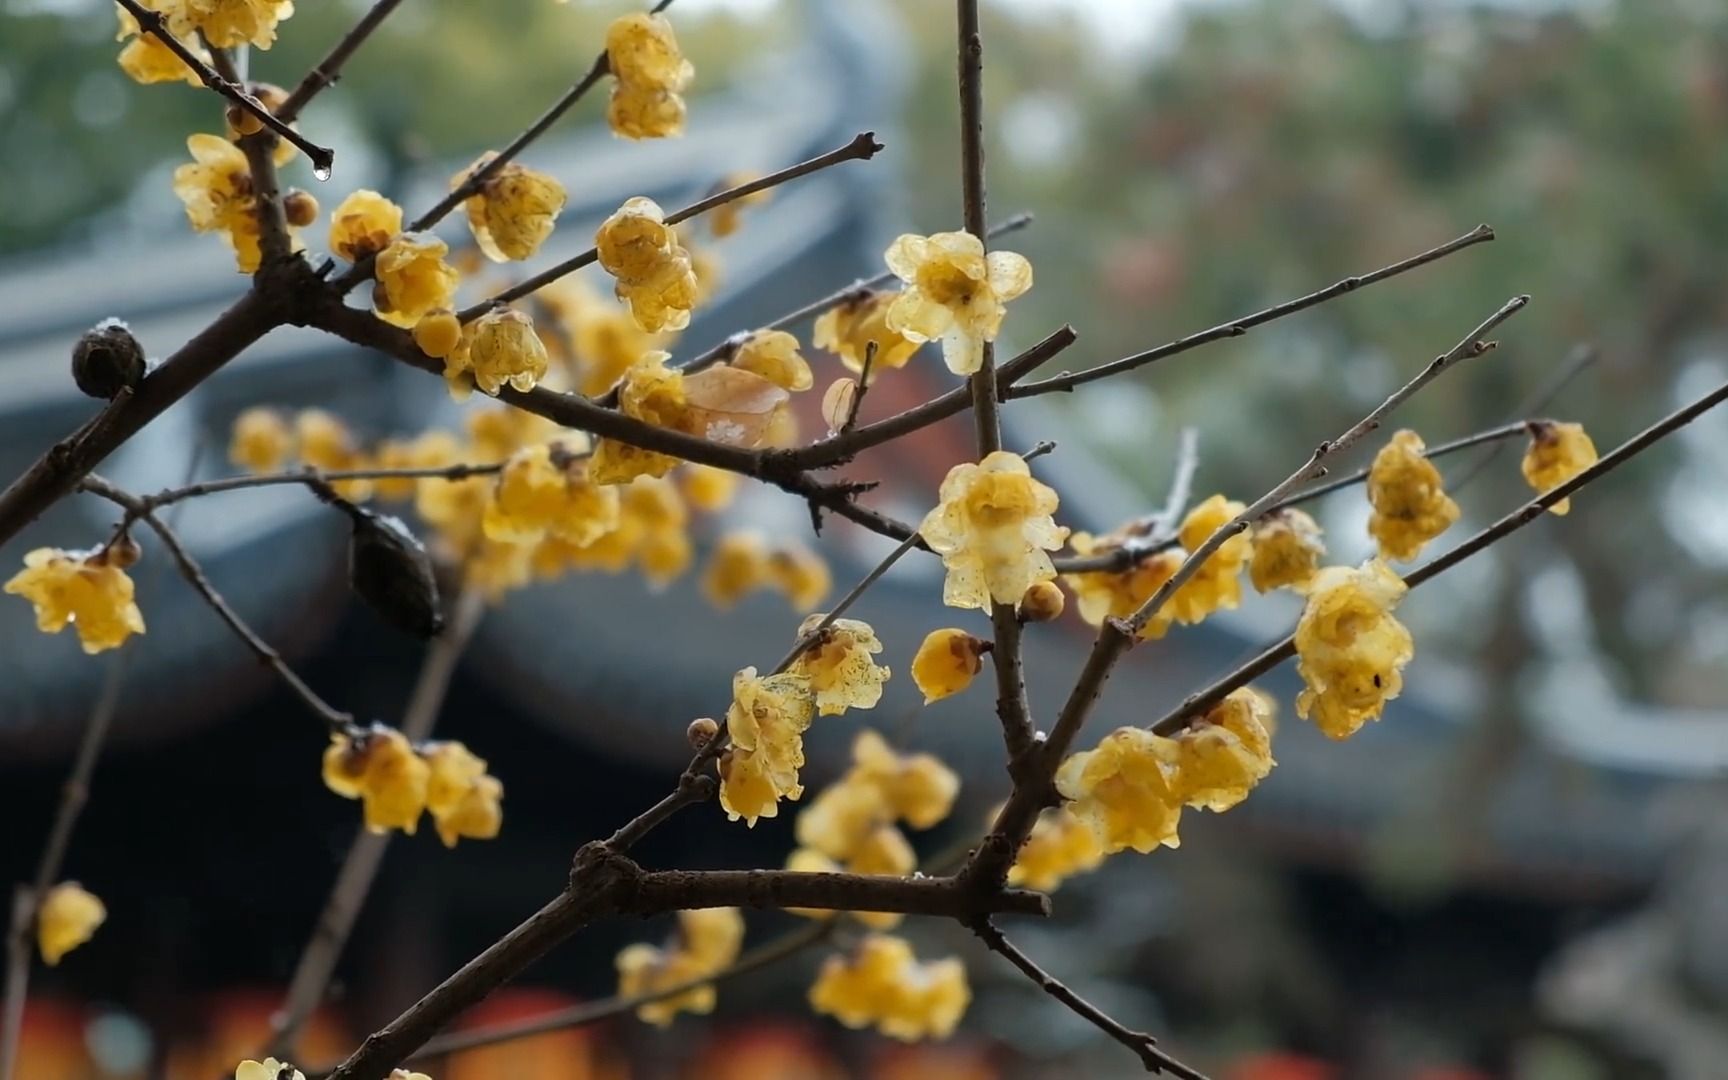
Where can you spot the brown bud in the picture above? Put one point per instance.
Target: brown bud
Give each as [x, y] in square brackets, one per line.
[123, 553]
[107, 359]
[390, 571]
[701, 732]
[300, 208]
[242, 121]
[1043, 602]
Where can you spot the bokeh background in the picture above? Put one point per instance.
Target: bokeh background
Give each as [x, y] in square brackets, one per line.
[1518, 873]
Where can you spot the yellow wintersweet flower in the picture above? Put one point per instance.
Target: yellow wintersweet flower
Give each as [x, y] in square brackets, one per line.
[849, 329]
[738, 567]
[1350, 648]
[270, 1069]
[216, 189]
[363, 224]
[746, 789]
[440, 335]
[462, 799]
[653, 393]
[66, 919]
[501, 431]
[1217, 585]
[768, 717]
[886, 851]
[1410, 506]
[87, 590]
[378, 767]
[800, 573]
[1557, 453]
[706, 942]
[836, 822]
[515, 209]
[724, 220]
[434, 449]
[653, 272]
[1287, 550]
[652, 532]
[228, 23]
[544, 490]
[502, 349]
[606, 341]
[946, 663]
[774, 355]
[1107, 594]
[993, 530]
[643, 55]
[413, 279]
[955, 292]
[882, 984]
[1126, 790]
[708, 488]
[145, 59]
[262, 440]
[840, 665]
[916, 788]
[325, 444]
[1221, 756]
[1059, 847]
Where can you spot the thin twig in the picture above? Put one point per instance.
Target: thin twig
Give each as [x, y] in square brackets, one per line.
[27, 901]
[310, 477]
[1238, 327]
[1579, 360]
[359, 868]
[862, 147]
[328, 70]
[1156, 1060]
[154, 23]
[1203, 700]
[863, 387]
[333, 718]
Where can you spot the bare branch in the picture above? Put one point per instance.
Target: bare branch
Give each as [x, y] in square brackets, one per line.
[1156, 1060]
[153, 22]
[1238, 327]
[333, 718]
[328, 70]
[1579, 360]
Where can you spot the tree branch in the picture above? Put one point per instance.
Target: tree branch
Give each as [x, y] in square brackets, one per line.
[1203, 700]
[1238, 327]
[328, 70]
[153, 22]
[359, 868]
[333, 718]
[1156, 1060]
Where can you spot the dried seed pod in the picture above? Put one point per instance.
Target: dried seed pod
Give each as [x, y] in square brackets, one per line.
[389, 569]
[107, 359]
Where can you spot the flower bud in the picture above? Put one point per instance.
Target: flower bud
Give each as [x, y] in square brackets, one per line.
[389, 569]
[107, 359]
[1042, 602]
[701, 732]
[300, 208]
[242, 121]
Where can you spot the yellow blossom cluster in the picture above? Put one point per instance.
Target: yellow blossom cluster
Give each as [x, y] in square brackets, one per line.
[1410, 505]
[882, 984]
[515, 209]
[1059, 847]
[954, 292]
[602, 338]
[706, 942]
[743, 562]
[1556, 454]
[146, 60]
[66, 918]
[994, 531]
[840, 664]
[654, 275]
[1131, 789]
[396, 783]
[266, 440]
[851, 824]
[642, 55]
[858, 322]
[652, 534]
[774, 355]
[413, 280]
[767, 721]
[1350, 648]
[1217, 585]
[946, 663]
[87, 590]
[722, 404]
[363, 224]
[1287, 551]
[544, 490]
